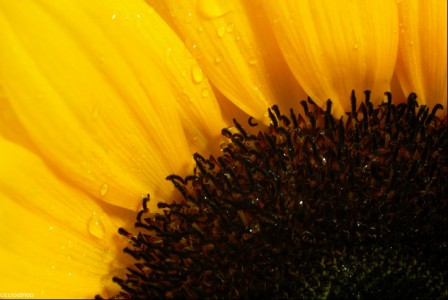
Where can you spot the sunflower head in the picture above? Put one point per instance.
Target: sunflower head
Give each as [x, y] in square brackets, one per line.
[101, 99]
[314, 206]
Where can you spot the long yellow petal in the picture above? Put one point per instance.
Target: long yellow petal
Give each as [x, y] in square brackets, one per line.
[333, 47]
[56, 241]
[107, 94]
[422, 52]
[235, 45]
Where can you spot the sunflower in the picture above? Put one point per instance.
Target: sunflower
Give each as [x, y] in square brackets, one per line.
[101, 100]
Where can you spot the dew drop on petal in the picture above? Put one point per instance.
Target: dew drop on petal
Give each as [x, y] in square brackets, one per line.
[218, 59]
[221, 31]
[212, 9]
[205, 93]
[95, 226]
[103, 190]
[197, 74]
[168, 56]
[188, 17]
[194, 49]
[253, 61]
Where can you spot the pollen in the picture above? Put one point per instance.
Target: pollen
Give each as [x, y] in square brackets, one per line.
[312, 207]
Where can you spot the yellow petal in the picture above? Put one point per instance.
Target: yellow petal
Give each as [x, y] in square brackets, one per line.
[235, 45]
[56, 241]
[107, 94]
[333, 47]
[422, 52]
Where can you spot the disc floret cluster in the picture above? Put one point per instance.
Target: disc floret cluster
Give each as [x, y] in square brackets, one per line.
[312, 207]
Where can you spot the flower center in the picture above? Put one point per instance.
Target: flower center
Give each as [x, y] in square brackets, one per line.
[314, 207]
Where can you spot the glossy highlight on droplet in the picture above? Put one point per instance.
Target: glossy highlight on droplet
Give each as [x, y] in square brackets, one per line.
[95, 226]
[104, 189]
[196, 73]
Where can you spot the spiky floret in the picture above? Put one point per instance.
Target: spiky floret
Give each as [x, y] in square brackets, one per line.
[314, 207]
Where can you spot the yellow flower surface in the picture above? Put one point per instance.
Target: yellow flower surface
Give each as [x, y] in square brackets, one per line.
[58, 242]
[100, 100]
[342, 44]
[422, 56]
[107, 97]
[236, 46]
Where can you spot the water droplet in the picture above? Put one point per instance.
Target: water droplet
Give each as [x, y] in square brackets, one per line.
[114, 16]
[194, 48]
[50, 228]
[221, 31]
[230, 27]
[254, 227]
[103, 189]
[168, 58]
[218, 59]
[213, 8]
[205, 93]
[95, 226]
[188, 17]
[411, 43]
[253, 61]
[196, 73]
[356, 46]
